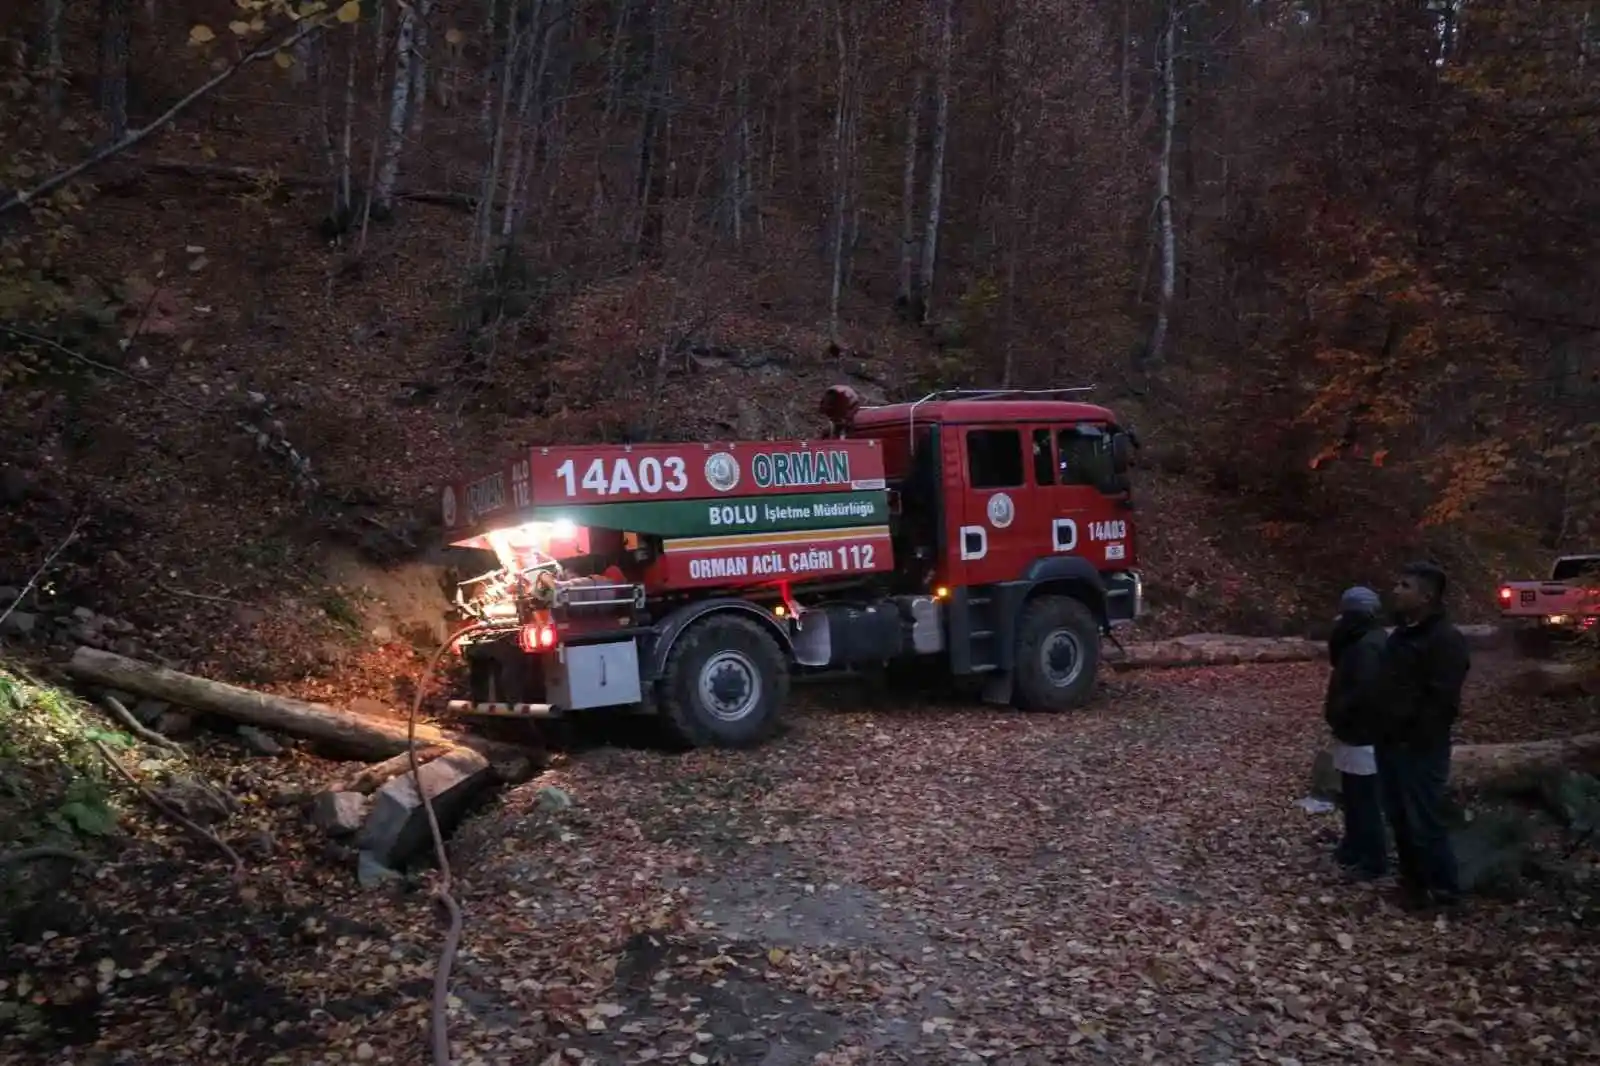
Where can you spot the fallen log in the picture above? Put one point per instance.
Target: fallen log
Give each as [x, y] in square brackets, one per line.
[1215, 650]
[439, 197]
[372, 777]
[1556, 680]
[1478, 765]
[370, 738]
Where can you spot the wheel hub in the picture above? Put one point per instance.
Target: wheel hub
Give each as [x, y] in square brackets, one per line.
[730, 686]
[1061, 657]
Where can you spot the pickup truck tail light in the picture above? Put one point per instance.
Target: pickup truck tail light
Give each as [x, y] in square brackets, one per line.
[1505, 596]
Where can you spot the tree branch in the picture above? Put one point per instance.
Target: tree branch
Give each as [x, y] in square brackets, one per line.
[32, 854]
[71, 536]
[133, 137]
[166, 809]
[131, 724]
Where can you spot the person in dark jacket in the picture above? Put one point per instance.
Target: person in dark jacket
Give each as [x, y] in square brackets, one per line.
[1355, 651]
[1425, 665]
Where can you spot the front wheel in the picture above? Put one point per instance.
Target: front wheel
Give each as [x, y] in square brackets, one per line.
[725, 684]
[1058, 654]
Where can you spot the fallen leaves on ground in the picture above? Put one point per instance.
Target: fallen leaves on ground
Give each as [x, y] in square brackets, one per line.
[882, 884]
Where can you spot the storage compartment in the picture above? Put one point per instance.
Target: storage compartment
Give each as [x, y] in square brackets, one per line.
[581, 676]
[864, 634]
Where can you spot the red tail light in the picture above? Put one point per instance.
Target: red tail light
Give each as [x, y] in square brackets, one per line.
[537, 637]
[1505, 595]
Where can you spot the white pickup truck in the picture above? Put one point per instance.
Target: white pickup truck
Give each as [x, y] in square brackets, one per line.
[1564, 603]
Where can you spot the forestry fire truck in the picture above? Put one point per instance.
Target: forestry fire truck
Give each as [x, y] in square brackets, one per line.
[984, 533]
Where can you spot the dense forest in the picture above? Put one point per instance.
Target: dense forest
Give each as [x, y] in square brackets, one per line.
[273, 272]
[1336, 260]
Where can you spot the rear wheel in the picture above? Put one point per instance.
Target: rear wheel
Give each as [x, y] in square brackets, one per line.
[1058, 654]
[725, 684]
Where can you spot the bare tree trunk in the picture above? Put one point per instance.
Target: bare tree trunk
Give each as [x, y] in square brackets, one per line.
[115, 31]
[50, 45]
[321, 59]
[1014, 238]
[394, 138]
[608, 117]
[651, 180]
[378, 65]
[530, 108]
[346, 201]
[941, 132]
[558, 93]
[1169, 240]
[419, 69]
[1583, 42]
[1125, 74]
[739, 172]
[841, 177]
[483, 220]
[491, 66]
[305, 57]
[906, 296]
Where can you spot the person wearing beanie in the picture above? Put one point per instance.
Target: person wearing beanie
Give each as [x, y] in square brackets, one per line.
[1351, 709]
[1425, 666]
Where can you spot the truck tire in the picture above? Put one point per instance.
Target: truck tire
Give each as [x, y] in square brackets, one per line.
[1058, 654]
[725, 683]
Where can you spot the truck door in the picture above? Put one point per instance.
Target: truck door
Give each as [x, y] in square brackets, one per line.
[997, 506]
[1084, 518]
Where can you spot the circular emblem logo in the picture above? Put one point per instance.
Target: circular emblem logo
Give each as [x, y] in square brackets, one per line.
[449, 506]
[1001, 511]
[722, 471]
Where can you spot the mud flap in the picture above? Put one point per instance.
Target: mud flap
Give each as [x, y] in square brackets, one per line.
[997, 688]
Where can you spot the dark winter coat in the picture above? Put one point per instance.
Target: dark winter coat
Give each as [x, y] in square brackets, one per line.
[1355, 651]
[1424, 669]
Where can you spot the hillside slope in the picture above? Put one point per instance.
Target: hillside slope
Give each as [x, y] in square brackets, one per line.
[361, 376]
[250, 432]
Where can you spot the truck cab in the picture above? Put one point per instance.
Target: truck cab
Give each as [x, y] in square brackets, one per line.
[1006, 497]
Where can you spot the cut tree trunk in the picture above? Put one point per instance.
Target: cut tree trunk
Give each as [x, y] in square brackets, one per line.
[1215, 650]
[368, 780]
[370, 738]
[1477, 765]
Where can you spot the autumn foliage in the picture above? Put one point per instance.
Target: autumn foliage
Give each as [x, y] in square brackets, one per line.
[1335, 259]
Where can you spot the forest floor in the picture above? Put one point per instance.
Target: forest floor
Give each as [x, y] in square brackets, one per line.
[887, 882]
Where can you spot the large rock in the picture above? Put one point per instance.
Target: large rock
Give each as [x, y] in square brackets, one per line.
[338, 813]
[259, 741]
[371, 873]
[397, 828]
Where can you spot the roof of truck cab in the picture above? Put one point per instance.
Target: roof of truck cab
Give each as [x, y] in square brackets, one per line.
[986, 411]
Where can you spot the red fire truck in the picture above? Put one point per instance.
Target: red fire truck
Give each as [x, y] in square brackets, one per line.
[983, 533]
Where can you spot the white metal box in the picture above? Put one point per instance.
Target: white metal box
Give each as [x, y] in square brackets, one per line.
[594, 675]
